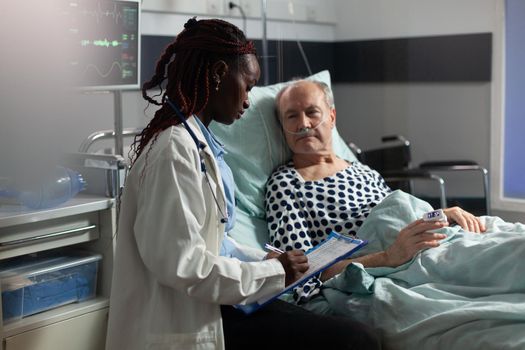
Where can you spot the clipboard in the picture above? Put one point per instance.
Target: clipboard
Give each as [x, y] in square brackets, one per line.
[333, 249]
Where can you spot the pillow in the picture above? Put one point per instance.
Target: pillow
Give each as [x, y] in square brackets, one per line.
[255, 147]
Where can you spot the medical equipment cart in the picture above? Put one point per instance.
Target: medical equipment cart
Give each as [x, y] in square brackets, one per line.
[86, 222]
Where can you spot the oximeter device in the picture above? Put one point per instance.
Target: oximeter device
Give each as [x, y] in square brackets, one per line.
[435, 215]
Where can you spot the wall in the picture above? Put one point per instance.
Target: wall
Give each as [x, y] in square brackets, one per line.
[455, 109]
[365, 19]
[442, 120]
[284, 10]
[297, 19]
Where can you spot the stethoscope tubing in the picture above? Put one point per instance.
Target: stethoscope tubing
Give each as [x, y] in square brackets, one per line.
[200, 147]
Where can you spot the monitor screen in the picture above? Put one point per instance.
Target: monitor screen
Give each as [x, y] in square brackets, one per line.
[104, 43]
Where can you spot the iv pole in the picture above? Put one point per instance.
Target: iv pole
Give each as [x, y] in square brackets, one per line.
[266, 72]
[117, 105]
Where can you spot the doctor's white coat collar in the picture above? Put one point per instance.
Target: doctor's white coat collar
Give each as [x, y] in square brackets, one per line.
[193, 124]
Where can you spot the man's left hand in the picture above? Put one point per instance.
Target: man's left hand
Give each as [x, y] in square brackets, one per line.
[465, 219]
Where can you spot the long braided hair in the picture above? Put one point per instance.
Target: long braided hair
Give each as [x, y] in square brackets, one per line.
[185, 67]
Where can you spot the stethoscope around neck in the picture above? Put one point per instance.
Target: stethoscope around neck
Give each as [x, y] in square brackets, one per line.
[200, 147]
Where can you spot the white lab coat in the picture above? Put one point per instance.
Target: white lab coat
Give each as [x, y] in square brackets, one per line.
[168, 280]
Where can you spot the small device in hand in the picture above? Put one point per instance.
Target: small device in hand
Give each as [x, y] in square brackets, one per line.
[435, 215]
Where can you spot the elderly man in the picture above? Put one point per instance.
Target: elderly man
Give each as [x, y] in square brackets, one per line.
[317, 192]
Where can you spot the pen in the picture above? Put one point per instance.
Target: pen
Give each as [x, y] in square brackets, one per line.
[273, 249]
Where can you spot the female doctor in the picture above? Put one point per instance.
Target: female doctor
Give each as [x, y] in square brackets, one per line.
[170, 279]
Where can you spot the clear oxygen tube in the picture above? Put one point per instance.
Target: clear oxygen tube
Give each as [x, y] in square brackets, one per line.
[304, 131]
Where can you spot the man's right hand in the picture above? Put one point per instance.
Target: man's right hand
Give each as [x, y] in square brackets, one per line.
[295, 264]
[413, 238]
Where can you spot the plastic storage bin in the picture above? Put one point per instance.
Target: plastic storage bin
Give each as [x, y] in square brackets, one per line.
[31, 284]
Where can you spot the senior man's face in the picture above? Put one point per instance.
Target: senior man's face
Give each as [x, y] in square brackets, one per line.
[304, 107]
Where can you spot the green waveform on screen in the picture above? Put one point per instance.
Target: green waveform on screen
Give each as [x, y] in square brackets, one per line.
[101, 43]
[125, 73]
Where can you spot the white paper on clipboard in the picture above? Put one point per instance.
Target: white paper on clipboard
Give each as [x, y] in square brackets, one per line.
[334, 248]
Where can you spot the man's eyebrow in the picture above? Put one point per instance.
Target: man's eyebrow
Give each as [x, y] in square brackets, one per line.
[289, 110]
[293, 109]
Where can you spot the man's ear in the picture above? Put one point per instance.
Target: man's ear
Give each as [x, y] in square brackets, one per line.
[333, 114]
[219, 70]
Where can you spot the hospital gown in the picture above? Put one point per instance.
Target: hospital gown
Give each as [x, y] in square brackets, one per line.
[301, 214]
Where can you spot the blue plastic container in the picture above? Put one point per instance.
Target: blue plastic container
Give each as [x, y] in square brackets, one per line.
[32, 284]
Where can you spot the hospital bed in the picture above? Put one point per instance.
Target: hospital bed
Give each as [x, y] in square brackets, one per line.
[419, 312]
[104, 171]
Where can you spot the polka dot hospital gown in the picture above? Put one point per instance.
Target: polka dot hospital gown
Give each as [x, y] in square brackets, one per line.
[300, 214]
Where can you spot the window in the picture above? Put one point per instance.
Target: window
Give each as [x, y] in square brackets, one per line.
[507, 158]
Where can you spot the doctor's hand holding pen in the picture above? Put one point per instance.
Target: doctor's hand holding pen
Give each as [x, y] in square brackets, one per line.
[294, 262]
